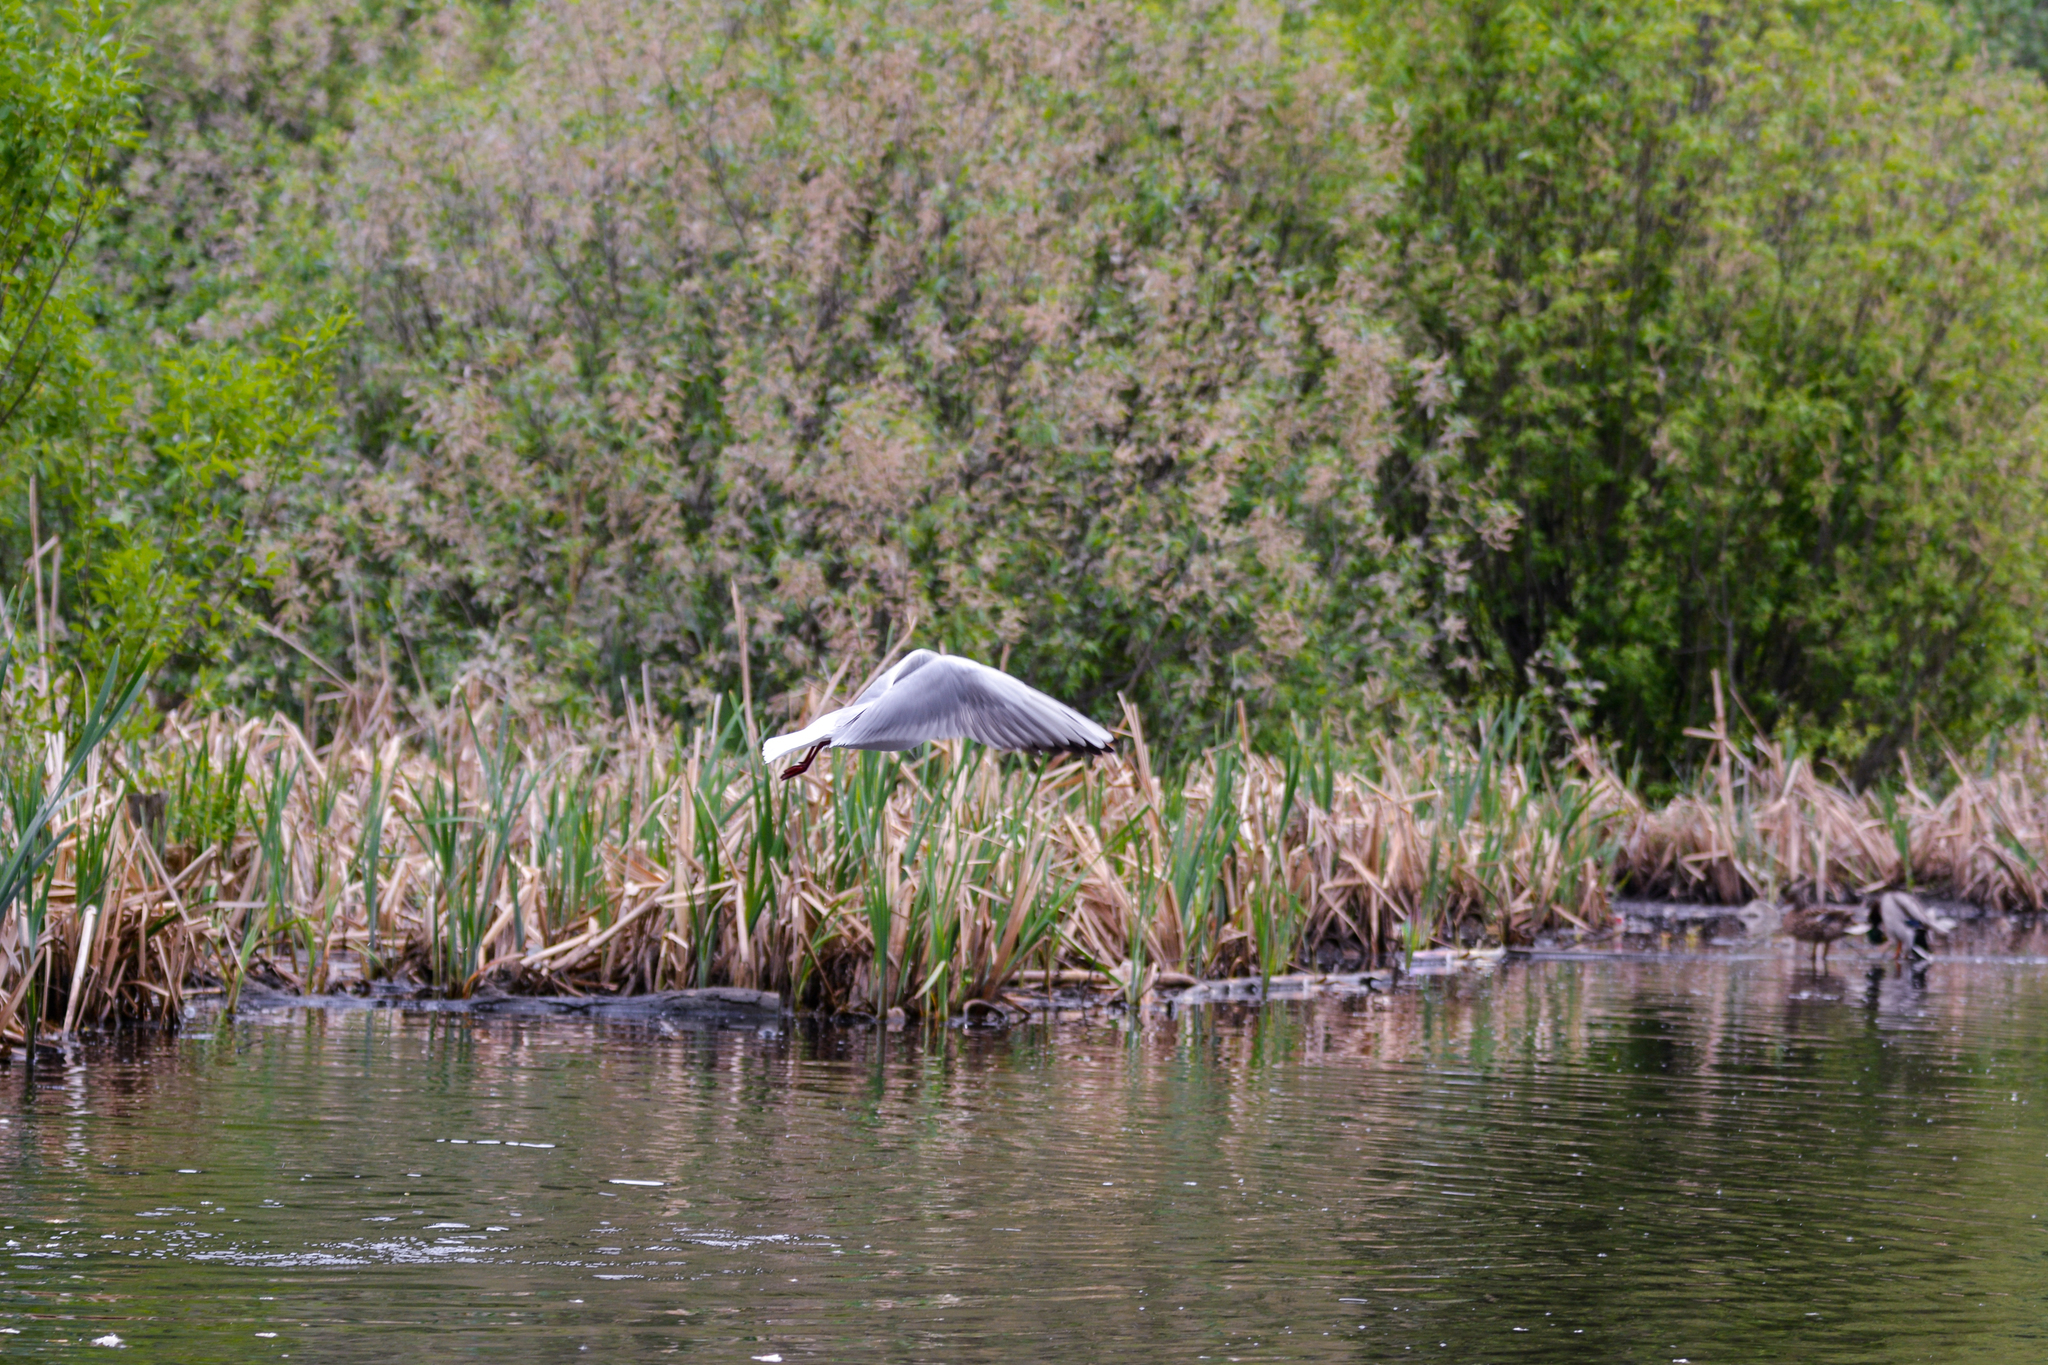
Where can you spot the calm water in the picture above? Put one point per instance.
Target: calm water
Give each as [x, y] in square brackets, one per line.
[1701, 1159]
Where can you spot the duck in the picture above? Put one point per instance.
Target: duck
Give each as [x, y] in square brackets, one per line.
[1904, 920]
[1817, 926]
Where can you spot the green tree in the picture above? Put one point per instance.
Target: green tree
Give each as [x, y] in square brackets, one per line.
[65, 111]
[165, 498]
[66, 93]
[1744, 306]
[140, 443]
[2013, 29]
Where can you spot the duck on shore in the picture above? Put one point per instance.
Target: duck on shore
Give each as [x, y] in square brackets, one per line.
[1904, 920]
[1817, 926]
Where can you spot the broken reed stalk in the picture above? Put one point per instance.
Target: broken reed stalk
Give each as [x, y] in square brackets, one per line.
[631, 857]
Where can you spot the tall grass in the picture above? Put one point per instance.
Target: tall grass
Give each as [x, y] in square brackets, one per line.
[39, 768]
[482, 847]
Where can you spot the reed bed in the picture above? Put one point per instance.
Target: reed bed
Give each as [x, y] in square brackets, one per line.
[480, 846]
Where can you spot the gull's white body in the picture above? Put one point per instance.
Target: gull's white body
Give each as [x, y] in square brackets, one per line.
[930, 696]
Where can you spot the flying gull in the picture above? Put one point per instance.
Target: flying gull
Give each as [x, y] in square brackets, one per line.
[943, 696]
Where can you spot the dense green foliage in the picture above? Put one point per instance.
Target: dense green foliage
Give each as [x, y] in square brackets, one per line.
[1404, 348]
[63, 113]
[141, 449]
[1744, 305]
[2013, 30]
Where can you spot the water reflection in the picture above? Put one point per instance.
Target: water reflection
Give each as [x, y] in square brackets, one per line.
[1627, 1159]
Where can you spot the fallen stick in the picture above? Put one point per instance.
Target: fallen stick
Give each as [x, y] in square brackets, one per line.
[589, 943]
[1082, 976]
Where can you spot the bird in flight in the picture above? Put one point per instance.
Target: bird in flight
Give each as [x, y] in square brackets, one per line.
[943, 696]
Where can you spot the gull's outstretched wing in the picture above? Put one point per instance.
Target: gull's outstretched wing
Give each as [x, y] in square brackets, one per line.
[947, 697]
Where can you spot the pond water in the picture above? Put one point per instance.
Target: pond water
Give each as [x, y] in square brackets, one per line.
[1707, 1157]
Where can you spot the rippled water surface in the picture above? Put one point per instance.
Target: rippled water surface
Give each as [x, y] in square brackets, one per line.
[1698, 1158]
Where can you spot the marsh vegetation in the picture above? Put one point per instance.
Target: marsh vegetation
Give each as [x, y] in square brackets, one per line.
[481, 846]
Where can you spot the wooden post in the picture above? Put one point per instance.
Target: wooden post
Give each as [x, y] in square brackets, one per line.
[739, 900]
[1726, 786]
[1721, 752]
[739, 616]
[35, 561]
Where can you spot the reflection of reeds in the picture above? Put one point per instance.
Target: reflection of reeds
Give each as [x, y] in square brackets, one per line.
[486, 848]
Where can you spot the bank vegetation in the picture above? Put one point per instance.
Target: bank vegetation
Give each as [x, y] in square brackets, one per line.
[481, 846]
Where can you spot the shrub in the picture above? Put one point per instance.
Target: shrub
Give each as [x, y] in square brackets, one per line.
[1744, 305]
[1049, 333]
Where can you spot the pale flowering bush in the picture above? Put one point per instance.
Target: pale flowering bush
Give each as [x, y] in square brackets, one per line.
[1051, 333]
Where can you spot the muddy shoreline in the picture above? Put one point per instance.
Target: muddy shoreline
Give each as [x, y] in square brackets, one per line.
[1642, 930]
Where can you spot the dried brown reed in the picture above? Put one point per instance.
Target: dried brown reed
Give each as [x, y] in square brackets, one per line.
[1770, 824]
[481, 846]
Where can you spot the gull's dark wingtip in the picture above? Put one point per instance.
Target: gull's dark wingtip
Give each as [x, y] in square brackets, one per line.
[1076, 750]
